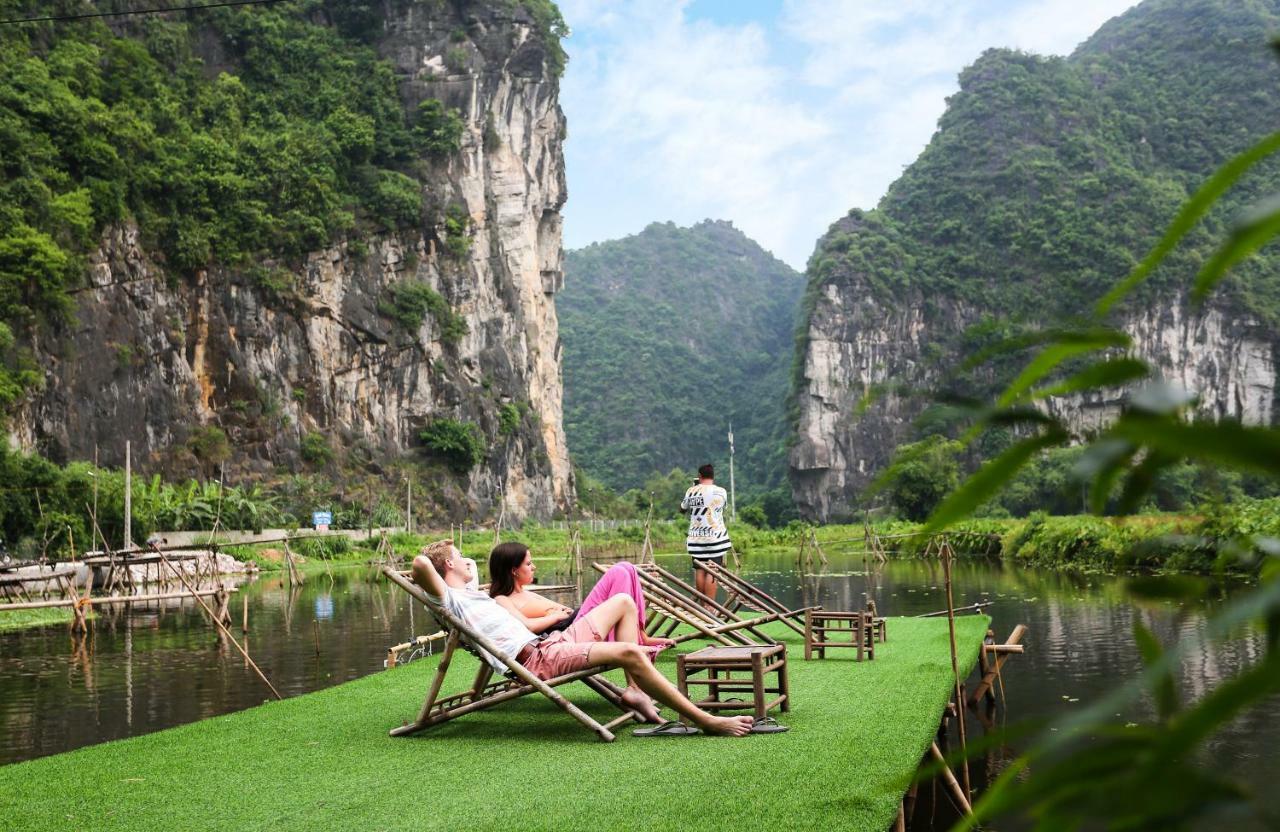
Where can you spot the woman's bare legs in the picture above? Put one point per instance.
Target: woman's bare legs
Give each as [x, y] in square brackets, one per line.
[643, 678]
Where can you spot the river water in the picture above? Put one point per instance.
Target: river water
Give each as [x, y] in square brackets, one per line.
[161, 664]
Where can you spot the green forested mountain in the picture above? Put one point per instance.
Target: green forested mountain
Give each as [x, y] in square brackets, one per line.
[669, 336]
[1048, 179]
[1058, 173]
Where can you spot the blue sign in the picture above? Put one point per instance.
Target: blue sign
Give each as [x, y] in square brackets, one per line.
[321, 518]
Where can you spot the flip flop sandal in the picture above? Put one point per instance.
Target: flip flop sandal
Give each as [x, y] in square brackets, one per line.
[666, 729]
[768, 725]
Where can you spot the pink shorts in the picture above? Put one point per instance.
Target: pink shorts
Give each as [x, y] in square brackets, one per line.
[567, 651]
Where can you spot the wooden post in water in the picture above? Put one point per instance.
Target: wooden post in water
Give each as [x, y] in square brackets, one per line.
[497, 524]
[244, 612]
[93, 539]
[128, 497]
[577, 560]
[945, 552]
[217, 623]
[295, 577]
[813, 538]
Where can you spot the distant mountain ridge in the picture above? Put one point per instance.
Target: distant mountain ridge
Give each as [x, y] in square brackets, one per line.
[1047, 180]
[669, 336]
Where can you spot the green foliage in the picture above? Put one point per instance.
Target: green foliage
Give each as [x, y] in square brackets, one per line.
[923, 474]
[510, 416]
[459, 444]
[492, 141]
[437, 130]
[551, 28]
[596, 498]
[456, 59]
[316, 449]
[276, 282]
[209, 444]
[755, 516]
[323, 547]
[407, 303]
[670, 336]
[396, 200]
[457, 239]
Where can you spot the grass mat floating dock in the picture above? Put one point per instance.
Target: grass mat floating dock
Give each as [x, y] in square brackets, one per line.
[324, 761]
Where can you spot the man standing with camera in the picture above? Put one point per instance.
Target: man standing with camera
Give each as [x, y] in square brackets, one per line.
[708, 538]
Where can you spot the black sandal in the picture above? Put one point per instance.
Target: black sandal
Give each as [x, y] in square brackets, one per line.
[670, 728]
[768, 725]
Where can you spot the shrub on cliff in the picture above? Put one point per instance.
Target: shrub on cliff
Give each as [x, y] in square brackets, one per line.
[315, 449]
[408, 303]
[437, 129]
[458, 444]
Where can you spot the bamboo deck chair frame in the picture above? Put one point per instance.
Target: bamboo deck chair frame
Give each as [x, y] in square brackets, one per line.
[485, 693]
[744, 593]
[673, 602]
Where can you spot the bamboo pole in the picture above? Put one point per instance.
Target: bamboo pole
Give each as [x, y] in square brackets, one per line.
[244, 609]
[220, 625]
[950, 779]
[945, 552]
[128, 496]
[103, 600]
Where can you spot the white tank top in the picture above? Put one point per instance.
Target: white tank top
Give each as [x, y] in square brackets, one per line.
[487, 617]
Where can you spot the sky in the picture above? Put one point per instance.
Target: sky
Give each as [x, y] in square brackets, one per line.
[778, 115]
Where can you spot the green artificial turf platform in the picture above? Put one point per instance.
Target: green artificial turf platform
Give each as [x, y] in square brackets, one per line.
[324, 761]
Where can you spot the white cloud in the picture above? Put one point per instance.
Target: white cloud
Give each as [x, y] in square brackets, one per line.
[780, 126]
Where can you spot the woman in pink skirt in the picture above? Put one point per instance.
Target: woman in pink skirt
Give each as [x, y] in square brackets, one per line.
[511, 570]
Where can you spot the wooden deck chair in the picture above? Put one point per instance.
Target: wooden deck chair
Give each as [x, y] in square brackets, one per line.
[484, 692]
[743, 593]
[673, 602]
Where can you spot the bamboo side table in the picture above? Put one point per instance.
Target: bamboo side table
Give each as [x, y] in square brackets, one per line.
[721, 663]
[826, 628]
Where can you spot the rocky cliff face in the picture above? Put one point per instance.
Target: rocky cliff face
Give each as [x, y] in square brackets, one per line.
[153, 359]
[866, 365]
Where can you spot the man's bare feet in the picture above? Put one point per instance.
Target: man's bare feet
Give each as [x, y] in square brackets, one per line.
[728, 726]
[639, 701]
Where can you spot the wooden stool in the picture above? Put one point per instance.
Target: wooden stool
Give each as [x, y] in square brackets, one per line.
[823, 629]
[756, 660]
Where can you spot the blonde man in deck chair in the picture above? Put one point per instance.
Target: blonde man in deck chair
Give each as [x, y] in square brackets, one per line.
[441, 572]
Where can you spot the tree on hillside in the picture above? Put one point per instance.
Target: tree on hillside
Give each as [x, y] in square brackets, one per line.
[927, 472]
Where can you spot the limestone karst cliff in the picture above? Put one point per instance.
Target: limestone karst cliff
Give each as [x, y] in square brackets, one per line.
[153, 356]
[1046, 181]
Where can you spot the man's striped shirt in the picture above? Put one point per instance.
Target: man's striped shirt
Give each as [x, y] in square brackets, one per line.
[708, 536]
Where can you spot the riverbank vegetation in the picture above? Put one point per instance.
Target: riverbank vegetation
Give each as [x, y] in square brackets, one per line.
[22, 619]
